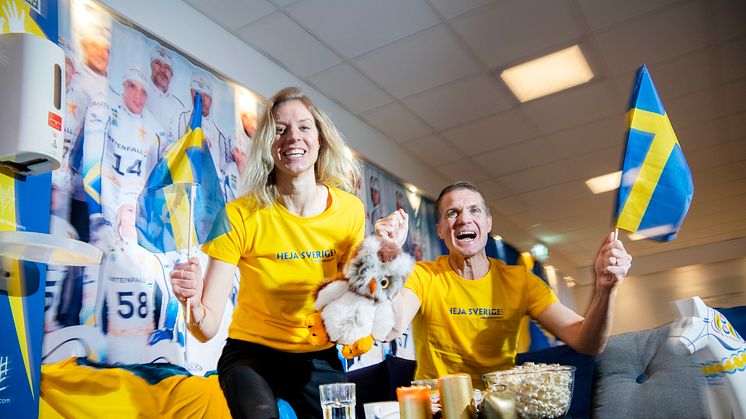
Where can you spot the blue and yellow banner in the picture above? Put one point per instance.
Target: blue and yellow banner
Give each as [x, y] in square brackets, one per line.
[24, 206]
[657, 186]
[167, 218]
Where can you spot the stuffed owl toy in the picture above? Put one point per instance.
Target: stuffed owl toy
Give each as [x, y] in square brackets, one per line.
[354, 309]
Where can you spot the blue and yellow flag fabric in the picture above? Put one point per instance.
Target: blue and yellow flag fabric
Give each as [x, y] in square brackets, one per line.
[77, 388]
[657, 186]
[164, 206]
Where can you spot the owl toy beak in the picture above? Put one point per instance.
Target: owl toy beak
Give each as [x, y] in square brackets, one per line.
[372, 285]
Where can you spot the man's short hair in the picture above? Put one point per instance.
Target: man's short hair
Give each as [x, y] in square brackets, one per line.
[462, 184]
[161, 54]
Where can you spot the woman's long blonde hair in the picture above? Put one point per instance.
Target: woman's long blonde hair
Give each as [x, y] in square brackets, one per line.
[335, 165]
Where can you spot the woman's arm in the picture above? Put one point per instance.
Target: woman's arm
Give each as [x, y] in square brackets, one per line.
[207, 296]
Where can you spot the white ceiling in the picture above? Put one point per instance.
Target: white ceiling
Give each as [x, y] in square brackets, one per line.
[422, 72]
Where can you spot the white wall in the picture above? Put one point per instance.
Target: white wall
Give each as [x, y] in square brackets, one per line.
[194, 34]
[644, 301]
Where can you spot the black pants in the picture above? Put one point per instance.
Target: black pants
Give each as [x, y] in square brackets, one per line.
[253, 375]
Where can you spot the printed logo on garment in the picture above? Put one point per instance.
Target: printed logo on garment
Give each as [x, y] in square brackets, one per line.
[485, 313]
[316, 255]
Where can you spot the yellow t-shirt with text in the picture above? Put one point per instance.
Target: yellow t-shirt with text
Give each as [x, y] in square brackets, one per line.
[472, 326]
[282, 258]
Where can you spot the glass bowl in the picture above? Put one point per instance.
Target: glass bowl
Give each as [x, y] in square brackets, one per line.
[541, 390]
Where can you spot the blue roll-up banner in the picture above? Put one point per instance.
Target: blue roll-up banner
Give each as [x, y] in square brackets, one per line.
[24, 206]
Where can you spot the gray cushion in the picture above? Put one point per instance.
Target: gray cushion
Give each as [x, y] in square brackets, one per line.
[639, 376]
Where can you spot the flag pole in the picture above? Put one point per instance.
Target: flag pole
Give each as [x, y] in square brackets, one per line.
[189, 244]
[192, 190]
[616, 233]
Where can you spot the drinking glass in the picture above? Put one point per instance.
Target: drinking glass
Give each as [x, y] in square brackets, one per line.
[338, 400]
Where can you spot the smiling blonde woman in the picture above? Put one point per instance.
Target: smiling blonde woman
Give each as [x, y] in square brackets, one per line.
[296, 224]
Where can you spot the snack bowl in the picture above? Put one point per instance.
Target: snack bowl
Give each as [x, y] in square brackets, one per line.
[541, 390]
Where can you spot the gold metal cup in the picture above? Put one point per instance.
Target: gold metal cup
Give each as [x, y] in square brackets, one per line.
[457, 396]
[499, 403]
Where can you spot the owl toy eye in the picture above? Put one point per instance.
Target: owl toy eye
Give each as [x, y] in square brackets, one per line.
[385, 282]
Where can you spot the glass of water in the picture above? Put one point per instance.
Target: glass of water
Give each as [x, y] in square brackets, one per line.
[338, 400]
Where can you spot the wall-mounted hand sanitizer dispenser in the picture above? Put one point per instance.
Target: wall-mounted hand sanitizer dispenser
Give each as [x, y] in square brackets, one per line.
[32, 96]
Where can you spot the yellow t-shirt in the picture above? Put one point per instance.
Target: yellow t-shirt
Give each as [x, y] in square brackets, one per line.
[472, 326]
[282, 258]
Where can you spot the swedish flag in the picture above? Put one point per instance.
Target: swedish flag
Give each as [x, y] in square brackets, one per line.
[657, 186]
[167, 219]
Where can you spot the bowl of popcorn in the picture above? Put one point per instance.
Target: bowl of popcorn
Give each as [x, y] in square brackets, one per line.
[541, 390]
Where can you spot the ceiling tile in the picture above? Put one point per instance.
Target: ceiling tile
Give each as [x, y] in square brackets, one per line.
[510, 206]
[676, 77]
[493, 190]
[587, 234]
[706, 158]
[465, 169]
[718, 155]
[734, 96]
[514, 30]
[736, 126]
[551, 232]
[735, 151]
[594, 136]
[723, 190]
[516, 235]
[356, 27]
[576, 106]
[434, 149]
[450, 8]
[422, 61]
[460, 101]
[590, 207]
[530, 219]
[705, 134]
[233, 14]
[713, 217]
[284, 40]
[491, 132]
[695, 108]
[729, 203]
[733, 59]
[578, 256]
[597, 163]
[350, 88]
[716, 175]
[407, 73]
[653, 38]
[602, 13]
[396, 122]
[730, 15]
[570, 191]
[516, 157]
[537, 177]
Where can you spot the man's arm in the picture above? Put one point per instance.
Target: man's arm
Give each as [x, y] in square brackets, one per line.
[589, 334]
[406, 305]
[394, 228]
